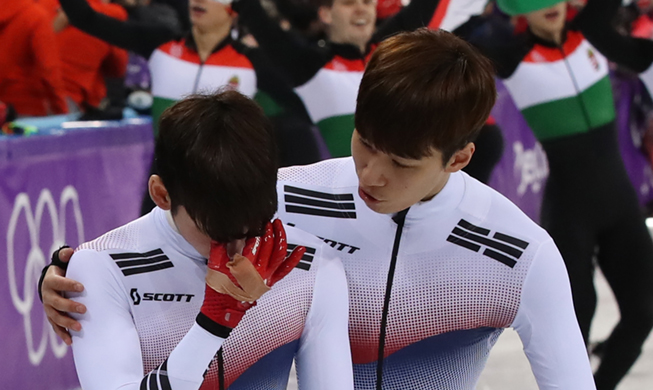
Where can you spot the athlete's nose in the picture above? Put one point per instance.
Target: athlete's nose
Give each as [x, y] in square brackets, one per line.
[371, 174]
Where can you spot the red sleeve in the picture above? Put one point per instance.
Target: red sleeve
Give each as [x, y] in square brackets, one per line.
[50, 6]
[115, 64]
[45, 49]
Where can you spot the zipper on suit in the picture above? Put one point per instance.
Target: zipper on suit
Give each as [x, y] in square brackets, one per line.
[220, 370]
[576, 87]
[399, 219]
[197, 78]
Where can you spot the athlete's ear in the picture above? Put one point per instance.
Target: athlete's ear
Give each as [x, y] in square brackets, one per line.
[324, 13]
[461, 158]
[159, 193]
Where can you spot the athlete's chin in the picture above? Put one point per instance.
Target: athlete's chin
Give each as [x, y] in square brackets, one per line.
[382, 207]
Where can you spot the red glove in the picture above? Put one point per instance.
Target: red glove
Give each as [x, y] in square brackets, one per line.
[234, 285]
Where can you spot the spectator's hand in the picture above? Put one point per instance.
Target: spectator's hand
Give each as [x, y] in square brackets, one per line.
[234, 285]
[55, 305]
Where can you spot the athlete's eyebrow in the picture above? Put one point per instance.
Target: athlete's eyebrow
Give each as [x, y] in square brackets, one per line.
[366, 142]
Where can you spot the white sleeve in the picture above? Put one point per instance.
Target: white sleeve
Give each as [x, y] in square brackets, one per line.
[324, 356]
[547, 325]
[107, 350]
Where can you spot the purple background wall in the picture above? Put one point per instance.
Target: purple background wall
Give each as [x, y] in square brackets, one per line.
[69, 186]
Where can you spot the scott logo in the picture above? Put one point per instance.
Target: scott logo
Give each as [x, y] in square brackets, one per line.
[341, 246]
[159, 297]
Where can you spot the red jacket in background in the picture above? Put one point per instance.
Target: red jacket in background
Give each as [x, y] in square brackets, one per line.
[86, 60]
[30, 73]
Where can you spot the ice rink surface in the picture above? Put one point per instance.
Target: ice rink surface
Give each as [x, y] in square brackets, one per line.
[508, 368]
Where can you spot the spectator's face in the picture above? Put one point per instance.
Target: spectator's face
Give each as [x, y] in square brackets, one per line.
[389, 184]
[350, 21]
[209, 15]
[548, 22]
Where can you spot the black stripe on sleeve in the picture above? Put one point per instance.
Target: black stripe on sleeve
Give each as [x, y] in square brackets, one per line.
[510, 240]
[307, 256]
[130, 263]
[308, 248]
[144, 381]
[486, 241]
[123, 256]
[320, 212]
[500, 258]
[152, 384]
[162, 374]
[318, 203]
[316, 194]
[476, 229]
[141, 270]
[304, 266]
[463, 243]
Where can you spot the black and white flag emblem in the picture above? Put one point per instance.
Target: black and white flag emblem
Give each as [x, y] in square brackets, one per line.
[303, 201]
[139, 263]
[499, 246]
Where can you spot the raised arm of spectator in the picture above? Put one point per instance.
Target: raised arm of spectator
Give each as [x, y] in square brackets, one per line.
[44, 46]
[141, 38]
[115, 63]
[299, 59]
[595, 23]
[415, 15]
[494, 37]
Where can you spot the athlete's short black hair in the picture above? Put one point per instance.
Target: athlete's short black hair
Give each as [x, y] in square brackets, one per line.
[424, 89]
[217, 157]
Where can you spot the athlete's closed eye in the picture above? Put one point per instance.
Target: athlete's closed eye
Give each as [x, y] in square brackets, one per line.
[400, 165]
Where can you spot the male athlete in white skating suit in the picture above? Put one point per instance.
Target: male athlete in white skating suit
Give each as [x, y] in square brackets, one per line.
[144, 288]
[469, 263]
[159, 314]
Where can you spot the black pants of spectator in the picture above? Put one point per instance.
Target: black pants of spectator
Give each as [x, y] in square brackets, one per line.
[489, 149]
[591, 210]
[297, 146]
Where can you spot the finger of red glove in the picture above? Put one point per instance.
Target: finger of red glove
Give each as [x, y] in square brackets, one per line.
[287, 265]
[265, 250]
[218, 257]
[251, 249]
[280, 250]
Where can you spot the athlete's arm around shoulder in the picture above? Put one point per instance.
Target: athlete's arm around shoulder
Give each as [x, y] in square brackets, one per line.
[107, 351]
[324, 355]
[547, 325]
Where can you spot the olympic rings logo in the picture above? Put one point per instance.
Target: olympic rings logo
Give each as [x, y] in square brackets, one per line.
[36, 260]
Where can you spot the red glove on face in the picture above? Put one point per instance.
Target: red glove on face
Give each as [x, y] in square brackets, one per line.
[234, 285]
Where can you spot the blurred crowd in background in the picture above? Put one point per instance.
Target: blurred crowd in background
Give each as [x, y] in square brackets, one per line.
[65, 58]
